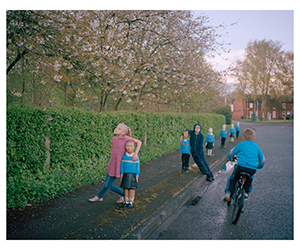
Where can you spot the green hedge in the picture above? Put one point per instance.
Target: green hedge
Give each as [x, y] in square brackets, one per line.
[226, 111]
[80, 146]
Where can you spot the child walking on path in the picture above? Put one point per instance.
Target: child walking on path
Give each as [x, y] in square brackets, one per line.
[130, 171]
[249, 159]
[196, 140]
[123, 134]
[185, 151]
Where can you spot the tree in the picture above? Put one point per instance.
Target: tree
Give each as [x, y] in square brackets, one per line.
[106, 58]
[261, 68]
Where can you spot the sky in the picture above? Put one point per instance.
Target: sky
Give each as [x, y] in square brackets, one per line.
[276, 25]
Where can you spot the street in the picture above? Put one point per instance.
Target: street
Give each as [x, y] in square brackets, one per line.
[268, 212]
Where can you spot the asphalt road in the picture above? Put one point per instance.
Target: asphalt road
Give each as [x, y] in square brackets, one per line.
[268, 212]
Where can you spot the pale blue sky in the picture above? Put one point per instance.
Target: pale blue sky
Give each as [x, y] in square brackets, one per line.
[255, 24]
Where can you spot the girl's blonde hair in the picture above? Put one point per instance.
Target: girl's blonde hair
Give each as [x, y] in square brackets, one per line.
[127, 130]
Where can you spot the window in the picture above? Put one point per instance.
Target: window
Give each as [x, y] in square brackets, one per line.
[251, 105]
[284, 105]
[274, 114]
[283, 113]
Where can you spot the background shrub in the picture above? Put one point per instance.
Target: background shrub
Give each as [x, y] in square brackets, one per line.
[226, 111]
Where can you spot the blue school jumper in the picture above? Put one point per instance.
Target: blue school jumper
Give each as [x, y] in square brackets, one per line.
[129, 166]
[210, 138]
[223, 133]
[185, 146]
[249, 156]
[232, 132]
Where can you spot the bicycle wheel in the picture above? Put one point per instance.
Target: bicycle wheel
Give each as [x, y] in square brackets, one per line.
[238, 207]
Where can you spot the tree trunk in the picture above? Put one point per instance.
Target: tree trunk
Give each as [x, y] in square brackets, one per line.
[18, 58]
[139, 97]
[33, 93]
[243, 103]
[118, 102]
[66, 94]
[103, 99]
[91, 98]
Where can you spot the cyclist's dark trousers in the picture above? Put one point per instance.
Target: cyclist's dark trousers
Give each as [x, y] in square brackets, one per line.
[185, 161]
[202, 164]
[235, 177]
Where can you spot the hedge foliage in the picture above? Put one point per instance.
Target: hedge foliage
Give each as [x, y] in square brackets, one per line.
[226, 111]
[80, 146]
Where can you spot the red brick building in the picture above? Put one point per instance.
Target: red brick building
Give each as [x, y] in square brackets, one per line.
[276, 110]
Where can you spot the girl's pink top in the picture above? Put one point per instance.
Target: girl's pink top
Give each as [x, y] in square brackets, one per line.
[118, 150]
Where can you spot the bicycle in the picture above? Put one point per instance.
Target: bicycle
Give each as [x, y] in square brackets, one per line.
[238, 197]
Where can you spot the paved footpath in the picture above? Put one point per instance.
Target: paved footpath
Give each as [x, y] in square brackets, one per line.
[161, 190]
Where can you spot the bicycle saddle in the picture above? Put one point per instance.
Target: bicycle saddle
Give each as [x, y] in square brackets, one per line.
[245, 174]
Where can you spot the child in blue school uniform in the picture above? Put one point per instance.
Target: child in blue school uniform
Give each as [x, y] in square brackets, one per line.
[249, 159]
[210, 141]
[237, 129]
[232, 133]
[185, 151]
[223, 136]
[130, 171]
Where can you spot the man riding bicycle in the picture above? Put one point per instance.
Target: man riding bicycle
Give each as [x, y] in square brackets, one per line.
[249, 159]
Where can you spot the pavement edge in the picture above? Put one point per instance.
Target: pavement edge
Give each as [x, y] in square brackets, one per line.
[147, 227]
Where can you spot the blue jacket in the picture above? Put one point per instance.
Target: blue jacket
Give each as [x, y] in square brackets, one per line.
[223, 133]
[249, 155]
[231, 130]
[196, 141]
[129, 166]
[210, 138]
[185, 147]
[238, 127]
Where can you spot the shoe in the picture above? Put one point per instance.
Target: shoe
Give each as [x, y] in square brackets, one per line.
[246, 196]
[121, 200]
[227, 197]
[130, 204]
[125, 204]
[209, 178]
[96, 198]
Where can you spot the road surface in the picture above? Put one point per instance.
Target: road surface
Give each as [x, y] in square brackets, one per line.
[268, 212]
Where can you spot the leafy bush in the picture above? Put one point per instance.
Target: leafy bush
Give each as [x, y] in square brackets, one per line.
[226, 111]
[80, 146]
